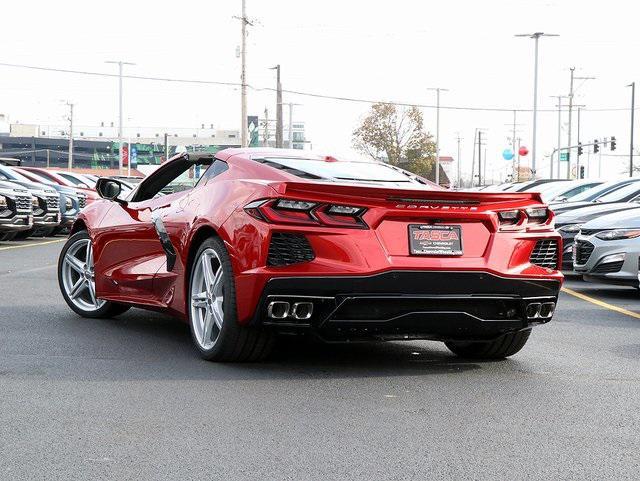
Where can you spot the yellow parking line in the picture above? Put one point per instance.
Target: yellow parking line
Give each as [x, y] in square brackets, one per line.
[597, 302]
[32, 245]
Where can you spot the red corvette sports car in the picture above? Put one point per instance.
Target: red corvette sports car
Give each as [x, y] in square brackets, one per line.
[247, 244]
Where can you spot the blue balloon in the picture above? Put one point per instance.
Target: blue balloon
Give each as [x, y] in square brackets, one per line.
[507, 154]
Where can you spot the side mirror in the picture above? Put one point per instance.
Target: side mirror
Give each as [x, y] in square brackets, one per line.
[109, 189]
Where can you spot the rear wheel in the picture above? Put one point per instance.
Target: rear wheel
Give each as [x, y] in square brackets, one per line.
[505, 346]
[76, 278]
[212, 311]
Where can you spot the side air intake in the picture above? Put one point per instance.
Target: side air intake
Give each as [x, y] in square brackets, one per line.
[545, 254]
[286, 249]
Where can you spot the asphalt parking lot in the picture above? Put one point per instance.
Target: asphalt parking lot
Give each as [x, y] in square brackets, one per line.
[129, 398]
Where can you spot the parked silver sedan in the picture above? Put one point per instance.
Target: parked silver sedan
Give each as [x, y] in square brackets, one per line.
[607, 249]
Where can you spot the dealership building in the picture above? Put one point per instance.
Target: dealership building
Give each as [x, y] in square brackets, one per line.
[97, 147]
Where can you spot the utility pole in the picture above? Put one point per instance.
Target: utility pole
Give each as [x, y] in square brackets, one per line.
[536, 36]
[459, 161]
[70, 156]
[514, 133]
[473, 158]
[571, 95]
[291, 105]
[119, 63]
[577, 153]
[572, 69]
[633, 108]
[438, 90]
[479, 158]
[559, 97]
[279, 133]
[518, 170]
[244, 128]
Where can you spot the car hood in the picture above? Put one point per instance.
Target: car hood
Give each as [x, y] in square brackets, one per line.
[628, 219]
[585, 214]
[11, 186]
[560, 207]
[36, 188]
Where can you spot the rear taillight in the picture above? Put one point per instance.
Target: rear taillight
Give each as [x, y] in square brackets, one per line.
[300, 212]
[538, 215]
[509, 217]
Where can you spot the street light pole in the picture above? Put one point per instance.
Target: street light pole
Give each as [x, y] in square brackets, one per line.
[438, 90]
[119, 63]
[536, 36]
[633, 107]
[279, 136]
[244, 128]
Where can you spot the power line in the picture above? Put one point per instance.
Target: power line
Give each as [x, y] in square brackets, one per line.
[293, 92]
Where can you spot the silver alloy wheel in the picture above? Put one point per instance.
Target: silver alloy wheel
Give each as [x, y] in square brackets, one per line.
[207, 298]
[78, 276]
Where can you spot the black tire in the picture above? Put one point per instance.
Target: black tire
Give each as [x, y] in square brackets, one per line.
[108, 310]
[504, 346]
[235, 343]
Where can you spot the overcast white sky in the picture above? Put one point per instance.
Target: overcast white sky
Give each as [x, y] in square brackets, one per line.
[371, 49]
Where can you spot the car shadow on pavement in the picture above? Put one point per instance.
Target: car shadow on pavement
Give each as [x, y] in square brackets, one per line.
[150, 346]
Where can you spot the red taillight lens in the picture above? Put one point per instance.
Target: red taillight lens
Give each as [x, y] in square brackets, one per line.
[509, 217]
[538, 215]
[302, 212]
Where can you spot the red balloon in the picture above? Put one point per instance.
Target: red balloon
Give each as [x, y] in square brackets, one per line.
[523, 151]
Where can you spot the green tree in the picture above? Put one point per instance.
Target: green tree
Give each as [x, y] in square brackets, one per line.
[396, 135]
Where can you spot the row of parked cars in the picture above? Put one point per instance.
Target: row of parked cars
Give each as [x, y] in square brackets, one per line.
[599, 223]
[38, 202]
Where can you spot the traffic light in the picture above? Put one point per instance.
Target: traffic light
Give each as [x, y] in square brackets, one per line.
[596, 147]
[579, 149]
[581, 173]
[613, 143]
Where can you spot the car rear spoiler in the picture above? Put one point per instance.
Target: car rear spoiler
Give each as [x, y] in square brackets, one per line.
[407, 195]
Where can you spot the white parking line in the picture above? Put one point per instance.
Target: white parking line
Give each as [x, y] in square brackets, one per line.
[32, 245]
[600, 303]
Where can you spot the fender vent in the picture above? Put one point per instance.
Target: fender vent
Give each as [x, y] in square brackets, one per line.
[545, 254]
[286, 249]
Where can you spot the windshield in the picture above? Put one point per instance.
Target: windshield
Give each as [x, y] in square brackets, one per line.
[12, 174]
[37, 177]
[620, 194]
[592, 194]
[340, 170]
[73, 179]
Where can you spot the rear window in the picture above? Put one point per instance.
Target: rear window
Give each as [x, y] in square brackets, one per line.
[339, 170]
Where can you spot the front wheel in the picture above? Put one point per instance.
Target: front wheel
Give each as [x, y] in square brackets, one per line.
[504, 346]
[76, 278]
[212, 311]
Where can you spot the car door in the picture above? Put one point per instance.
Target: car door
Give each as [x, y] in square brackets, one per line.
[131, 242]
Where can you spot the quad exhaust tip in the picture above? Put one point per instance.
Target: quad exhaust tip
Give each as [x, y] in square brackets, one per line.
[540, 310]
[300, 311]
[278, 309]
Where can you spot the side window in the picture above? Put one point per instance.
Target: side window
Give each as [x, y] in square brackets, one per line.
[177, 176]
[215, 169]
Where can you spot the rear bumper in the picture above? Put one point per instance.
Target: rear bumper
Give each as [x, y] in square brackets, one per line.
[409, 304]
